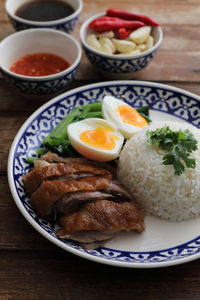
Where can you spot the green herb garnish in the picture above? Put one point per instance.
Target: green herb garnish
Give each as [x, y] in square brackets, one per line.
[178, 144]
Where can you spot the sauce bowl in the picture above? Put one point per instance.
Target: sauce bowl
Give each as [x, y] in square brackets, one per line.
[31, 41]
[66, 24]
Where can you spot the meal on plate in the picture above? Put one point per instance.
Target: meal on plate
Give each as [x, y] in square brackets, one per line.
[121, 32]
[105, 165]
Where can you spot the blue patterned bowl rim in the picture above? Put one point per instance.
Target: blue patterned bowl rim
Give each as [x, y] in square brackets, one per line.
[45, 23]
[179, 254]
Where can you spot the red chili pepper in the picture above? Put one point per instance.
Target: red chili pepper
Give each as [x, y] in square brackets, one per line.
[126, 15]
[105, 24]
[123, 33]
[101, 18]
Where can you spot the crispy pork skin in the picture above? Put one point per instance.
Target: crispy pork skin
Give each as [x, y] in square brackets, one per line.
[103, 215]
[36, 177]
[54, 158]
[51, 191]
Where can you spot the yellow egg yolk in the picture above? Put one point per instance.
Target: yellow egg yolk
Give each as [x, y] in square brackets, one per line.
[131, 116]
[101, 138]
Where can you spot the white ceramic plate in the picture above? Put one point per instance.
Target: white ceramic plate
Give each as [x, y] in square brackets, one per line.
[163, 243]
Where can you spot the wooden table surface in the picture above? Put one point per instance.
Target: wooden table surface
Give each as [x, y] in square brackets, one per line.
[33, 268]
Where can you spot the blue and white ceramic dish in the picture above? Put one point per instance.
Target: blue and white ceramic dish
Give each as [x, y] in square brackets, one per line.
[65, 24]
[39, 40]
[119, 66]
[163, 243]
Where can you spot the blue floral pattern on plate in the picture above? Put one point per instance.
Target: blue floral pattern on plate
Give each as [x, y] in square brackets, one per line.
[162, 98]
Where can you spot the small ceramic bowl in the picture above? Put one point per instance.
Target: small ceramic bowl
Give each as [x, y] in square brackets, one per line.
[39, 41]
[119, 66]
[65, 24]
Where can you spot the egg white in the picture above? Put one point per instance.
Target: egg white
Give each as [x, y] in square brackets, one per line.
[110, 105]
[75, 130]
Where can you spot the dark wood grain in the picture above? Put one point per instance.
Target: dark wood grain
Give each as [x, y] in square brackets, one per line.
[36, 275]
[33, 268]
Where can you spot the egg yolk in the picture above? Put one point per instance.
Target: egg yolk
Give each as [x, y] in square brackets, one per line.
[101, 138]
[131, 116]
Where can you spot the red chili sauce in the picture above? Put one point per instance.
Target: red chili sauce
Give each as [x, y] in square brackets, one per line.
[39, 64]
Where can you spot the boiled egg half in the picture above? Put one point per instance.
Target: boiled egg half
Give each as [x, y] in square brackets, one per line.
[124, 117]
[96, 139]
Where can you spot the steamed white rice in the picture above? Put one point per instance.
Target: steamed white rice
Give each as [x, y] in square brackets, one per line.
[154, 185]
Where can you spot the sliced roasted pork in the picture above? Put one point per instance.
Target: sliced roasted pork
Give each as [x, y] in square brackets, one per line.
[54, 158]
[51, 191]
[37, 176]
[101, 215]
[84, 197]
[73, 201]
[58, 197]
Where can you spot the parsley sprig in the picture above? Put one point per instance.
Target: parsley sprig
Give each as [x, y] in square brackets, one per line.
[179, 145]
